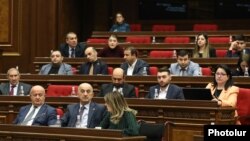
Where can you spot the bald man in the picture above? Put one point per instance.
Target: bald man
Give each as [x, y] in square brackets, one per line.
[94, 65]
[90, 112]
[118, 84]
[37, 113]
[14, 87]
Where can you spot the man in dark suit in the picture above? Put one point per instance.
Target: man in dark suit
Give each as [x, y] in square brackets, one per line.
[90, 113]
[14, 87]
[165, 90]
[94, 65]
[118, 84]
[37, 113]
[133, 65]
[72, 48]
[238, 47]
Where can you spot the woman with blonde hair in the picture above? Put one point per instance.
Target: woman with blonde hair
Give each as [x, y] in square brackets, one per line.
[119, 115]
[202, 47]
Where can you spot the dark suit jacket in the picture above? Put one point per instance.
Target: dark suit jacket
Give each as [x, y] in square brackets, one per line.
[45, 116]
[5, 88]
[212, 52]
[138, 69]
[237, 54]
[174, 92]
[95, 115]
[79, 50]
[100, 67]
[128, 90]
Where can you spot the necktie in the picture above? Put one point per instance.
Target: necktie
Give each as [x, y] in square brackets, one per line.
[29, 117]
[81, 112]
[72, 53]
[12, 90]
[91, 70]
[182, 72]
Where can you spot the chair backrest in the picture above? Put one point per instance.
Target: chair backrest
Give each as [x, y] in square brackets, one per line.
[137, 92]
[138, 39]
[177, 40]
[153, 131]
[243, 106]
[110, 70]
[218, 40]
[205, 27]
[158, 27]
[59, 112]
[74, 70]
[60, 90]
[221, 52]
[160, 54]
[206, 71]
[97, 40]
[135, 27]
[153, 70]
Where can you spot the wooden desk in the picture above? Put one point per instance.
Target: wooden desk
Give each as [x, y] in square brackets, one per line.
[24, 133]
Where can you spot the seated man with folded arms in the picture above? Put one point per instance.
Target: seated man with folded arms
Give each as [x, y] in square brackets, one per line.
[118, 84]
[37, 113]
[94, 65]
[14, 87]
[133, 65]
[164, 89]
[90, 113]
[237, 47]
[184, 67]
[56, 66]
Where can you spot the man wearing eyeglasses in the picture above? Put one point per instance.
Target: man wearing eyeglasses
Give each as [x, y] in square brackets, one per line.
[118, 84]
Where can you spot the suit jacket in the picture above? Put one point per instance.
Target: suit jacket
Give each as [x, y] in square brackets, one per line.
[174, 92]
[128, 90]
[228, 97]
[124, 27]
[230, 53]
[95, 115]
[100, 67]
[79, 50]
[5, 88]
[138, 69]
[46, 115]
[193, 69]
[65, 69]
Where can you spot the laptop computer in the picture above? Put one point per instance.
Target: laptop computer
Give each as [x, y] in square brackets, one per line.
[197, 94]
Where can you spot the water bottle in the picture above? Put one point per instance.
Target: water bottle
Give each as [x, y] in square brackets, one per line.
[153, 40]
[156, 94]
[174, 54]
[73, 91]
[144, 72]
[21, 92]
[246, 74]
[78, 122]
[58, 121]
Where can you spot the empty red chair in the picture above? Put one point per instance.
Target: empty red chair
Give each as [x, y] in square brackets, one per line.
[220, 40]
[158, 27]
[110, 70]
[97, 40]
[221, 52]
[137, 92]
[135, 27]
[160, 54]
[206, 71]
[172, 40]
[205, 27]
[59, 112]
[153, 70]
[61, 90]
[243, 106]
[139, 39]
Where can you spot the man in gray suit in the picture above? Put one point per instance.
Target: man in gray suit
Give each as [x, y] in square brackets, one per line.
[164, 89]
[14, 87]
[184, 67]
[56, 66]
[90, 113]
[118, 84]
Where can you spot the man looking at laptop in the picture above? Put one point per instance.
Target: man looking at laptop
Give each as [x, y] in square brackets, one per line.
[165, 90]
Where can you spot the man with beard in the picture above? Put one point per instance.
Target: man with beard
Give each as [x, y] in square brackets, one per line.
[118, 84]
[184, 67]
[165, 90]
[56, 66]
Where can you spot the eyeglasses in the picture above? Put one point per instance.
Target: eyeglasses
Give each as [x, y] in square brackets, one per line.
[220, 74]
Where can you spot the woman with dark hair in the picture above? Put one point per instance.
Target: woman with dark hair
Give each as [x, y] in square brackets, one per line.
[222, 88]
[202, 47]
[243, 66]
[120, 25]
[119, 115]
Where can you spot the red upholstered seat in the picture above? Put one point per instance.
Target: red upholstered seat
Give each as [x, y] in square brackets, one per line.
[160, 54]
[153, 70]
[59, 112]
[176, 40]
[74, 70]
[60, 90]
[243, 106]
[97, 40]
[221, 52]
[206, 71]
[135, 27]
[158, 27]
[138, 39]
[110, 70]
[205, 27]
[220, 40]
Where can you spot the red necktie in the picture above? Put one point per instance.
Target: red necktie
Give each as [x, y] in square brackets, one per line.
[12, 90]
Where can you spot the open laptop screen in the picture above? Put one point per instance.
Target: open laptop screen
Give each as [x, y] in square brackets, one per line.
[197, 94]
